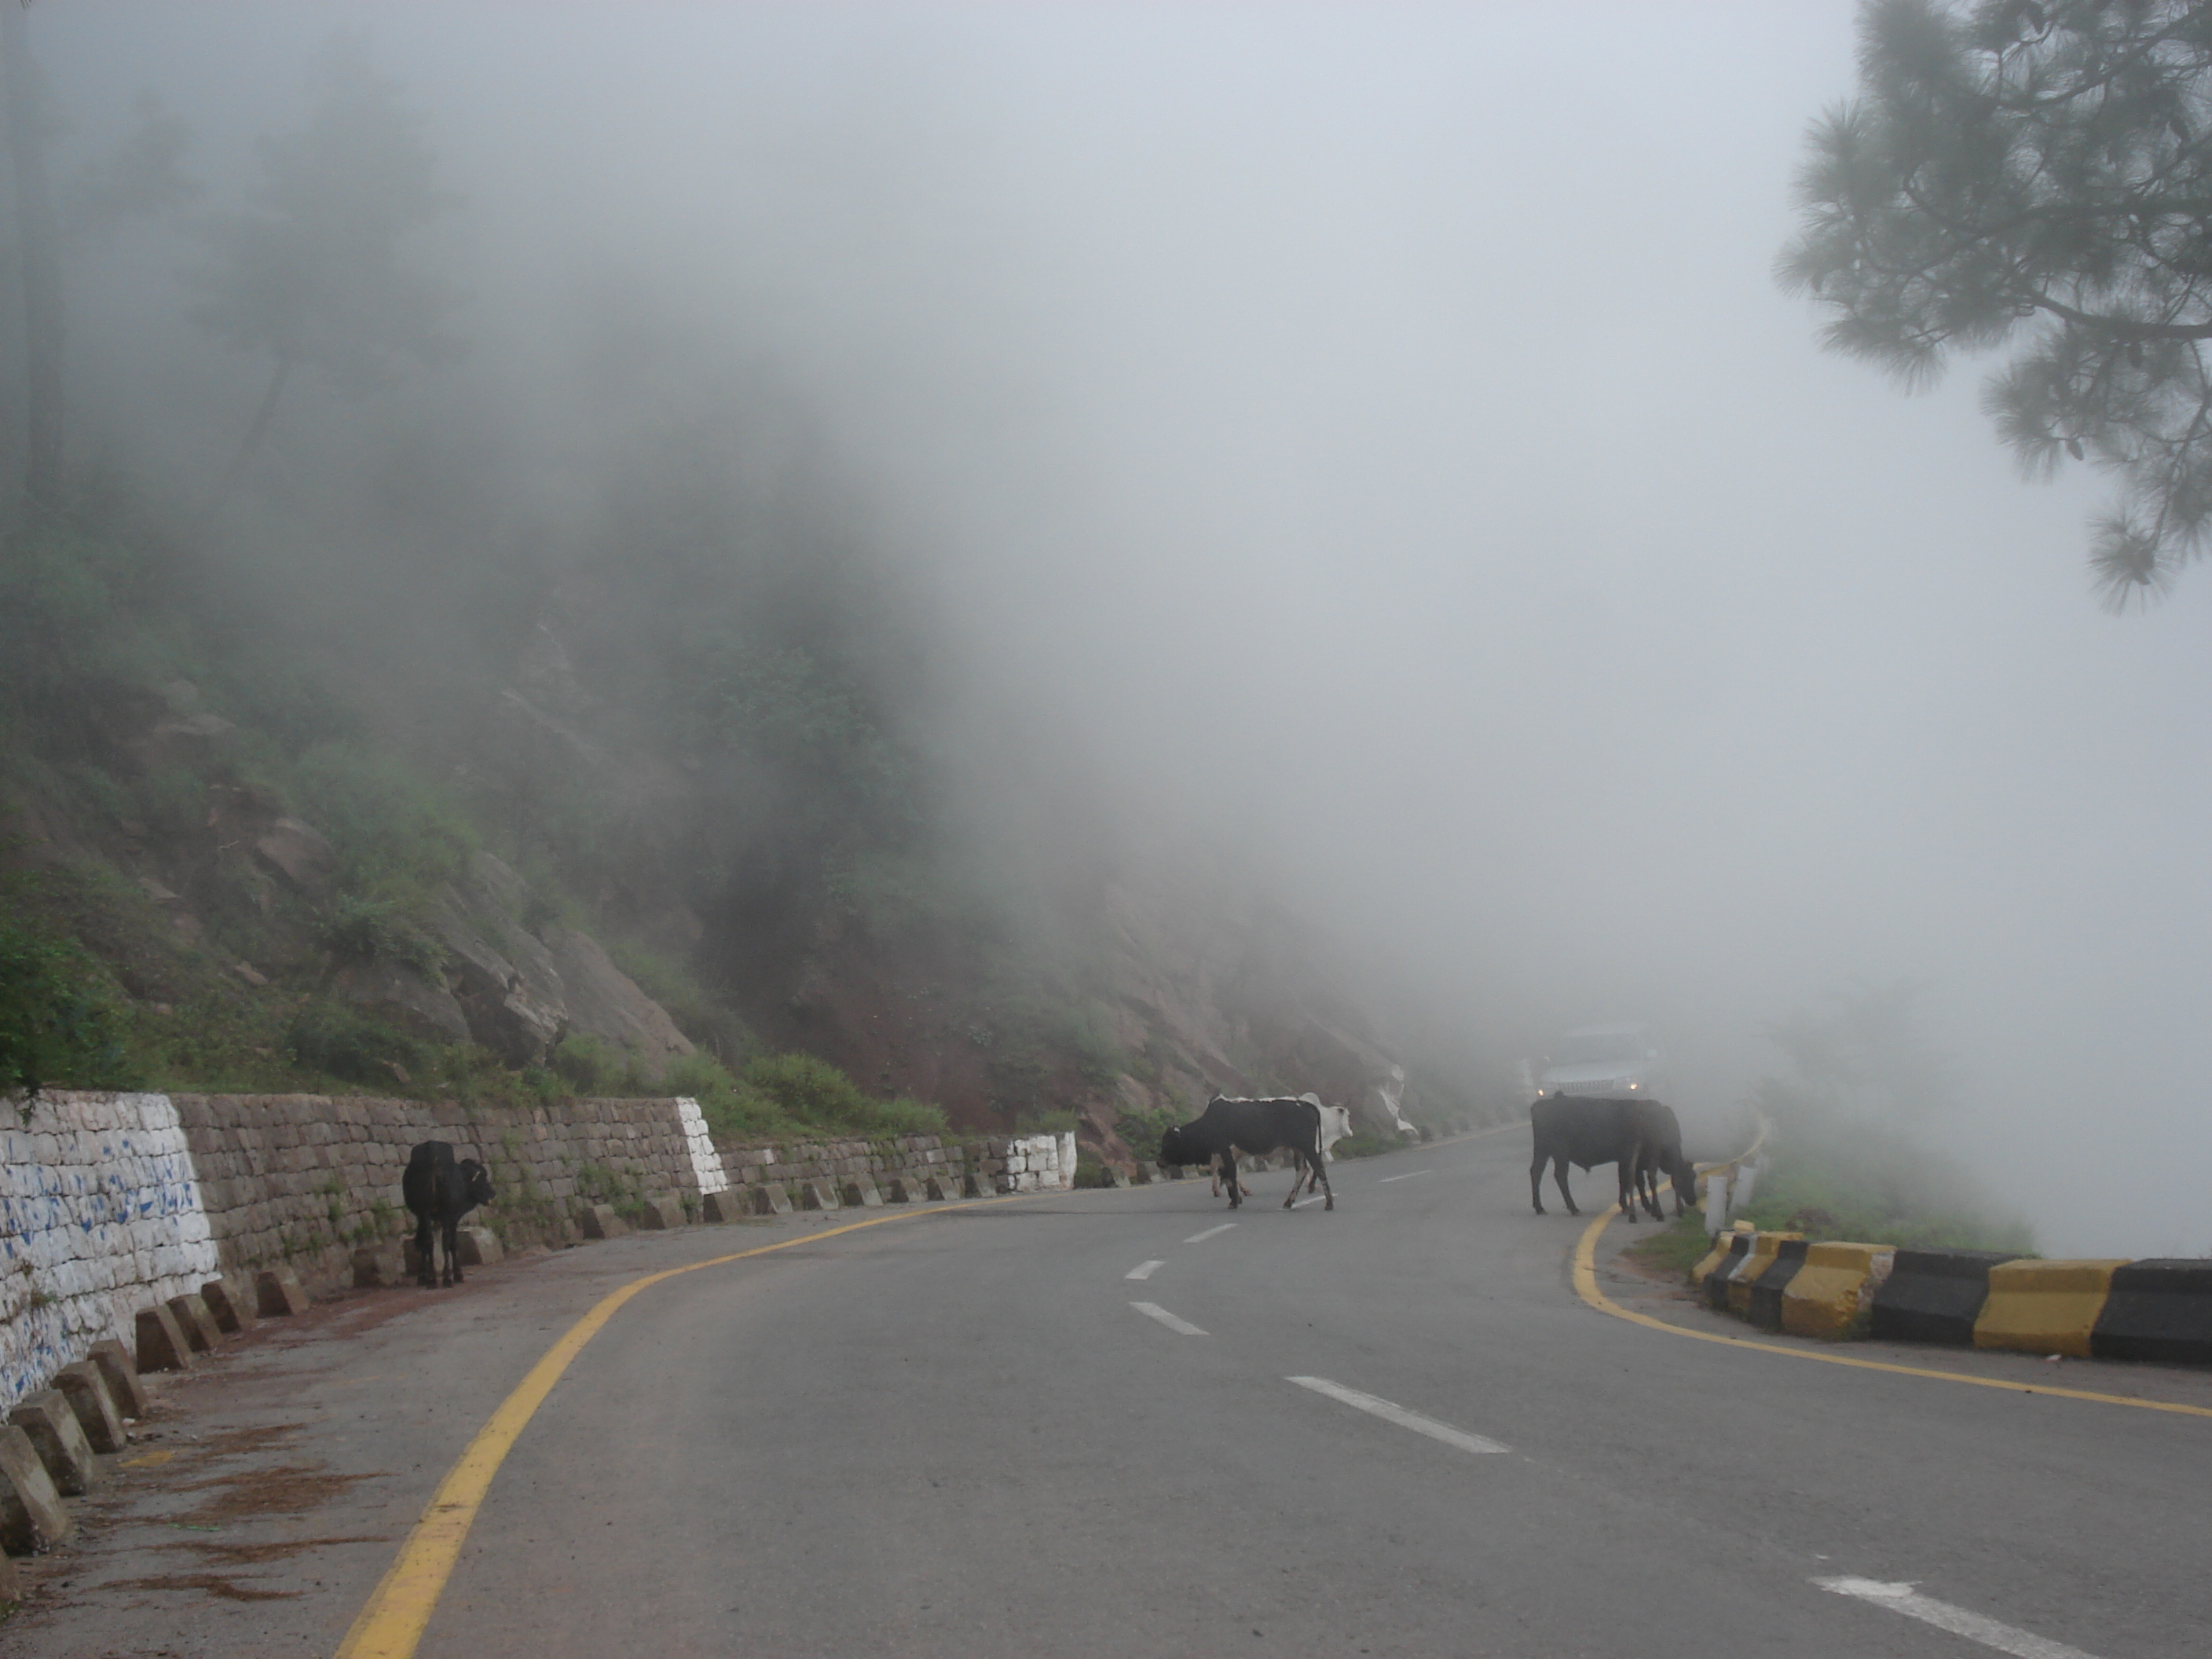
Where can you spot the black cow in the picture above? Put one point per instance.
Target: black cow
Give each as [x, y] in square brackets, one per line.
[1659, 1152]
[1227, 1128]
[1639, 1137]
[441, 1191]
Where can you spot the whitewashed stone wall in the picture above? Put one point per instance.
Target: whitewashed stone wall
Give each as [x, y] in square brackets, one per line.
[100, 1215]
[1032, 1163]
[706, 1162]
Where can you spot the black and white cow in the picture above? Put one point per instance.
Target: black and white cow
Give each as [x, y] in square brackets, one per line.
[1335, 1125]
[439, 1191]
[1258, 1127]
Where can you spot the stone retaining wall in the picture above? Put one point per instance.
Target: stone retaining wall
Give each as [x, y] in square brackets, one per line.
[307, 1179]
[111, 1202]
[1009, 1164]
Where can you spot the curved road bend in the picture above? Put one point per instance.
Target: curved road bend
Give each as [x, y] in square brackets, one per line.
[962, 1436]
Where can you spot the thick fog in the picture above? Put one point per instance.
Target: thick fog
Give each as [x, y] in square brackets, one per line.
[1373, 437]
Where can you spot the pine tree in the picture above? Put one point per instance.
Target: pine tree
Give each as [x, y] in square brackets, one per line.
[2035, 176]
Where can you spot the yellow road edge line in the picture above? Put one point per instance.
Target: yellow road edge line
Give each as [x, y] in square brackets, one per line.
[1586, 1287]
[390, 1623]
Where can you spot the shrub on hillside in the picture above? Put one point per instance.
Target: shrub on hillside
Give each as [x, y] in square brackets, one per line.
[593, 1066]
[396, 838]
[813, 1094]
[732, 1110]
[344, 1043]
[59, 1023]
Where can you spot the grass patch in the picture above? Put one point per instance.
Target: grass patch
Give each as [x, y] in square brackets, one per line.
[792, 1097]
[1675, 1248]
[1874, 1186]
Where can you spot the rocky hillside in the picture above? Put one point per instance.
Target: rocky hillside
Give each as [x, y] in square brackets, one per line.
[640, 826]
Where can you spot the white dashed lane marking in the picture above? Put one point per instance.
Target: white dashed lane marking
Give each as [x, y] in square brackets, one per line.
[1903, 1598]
[1398, 1414]
[1153, 1310]
[1144, 1270]
[1408, 1175]
[1318, 1198]
[1200, 1238]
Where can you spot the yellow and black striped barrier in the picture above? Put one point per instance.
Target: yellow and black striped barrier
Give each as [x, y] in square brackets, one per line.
[2159, 1309]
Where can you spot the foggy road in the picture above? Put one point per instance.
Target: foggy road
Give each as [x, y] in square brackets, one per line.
[1131, 1422]
[1106, 1422]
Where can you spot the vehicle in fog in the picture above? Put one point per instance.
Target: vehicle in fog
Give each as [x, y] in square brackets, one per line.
[1617, 1061]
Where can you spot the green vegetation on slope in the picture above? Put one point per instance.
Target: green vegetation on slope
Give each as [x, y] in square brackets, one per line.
[1864, 1068]
[135, 711]
[1877, 1186]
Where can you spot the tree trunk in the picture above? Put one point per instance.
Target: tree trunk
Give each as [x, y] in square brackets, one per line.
[247, 449]
[21, 85]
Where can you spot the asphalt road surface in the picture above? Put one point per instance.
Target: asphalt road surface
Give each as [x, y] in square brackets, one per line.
[1109, 1423]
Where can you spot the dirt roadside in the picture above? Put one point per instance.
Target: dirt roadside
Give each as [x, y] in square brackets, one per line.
[268, 1491]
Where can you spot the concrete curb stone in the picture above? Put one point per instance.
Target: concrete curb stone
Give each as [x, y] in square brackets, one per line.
[1763, 1308]
[480, 1248]
[120, 1373]
[86, 1390]
[161, 1343]
[51, 1421]
[1934, 1296]
[2045, 1307]
[1833, 1292]
[278, 1294]
[232, 1304]
[199, 1325]
[599, 1221]
[375, 1269]
[32, 1516]
[2159, 1309]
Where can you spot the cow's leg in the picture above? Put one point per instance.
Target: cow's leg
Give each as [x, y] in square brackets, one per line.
[1626, 1169]
[1536, 1183]
[453, 1250]
[1649, 1168]
[1320, 1169]
[426, 1258]
[1559, 1174]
